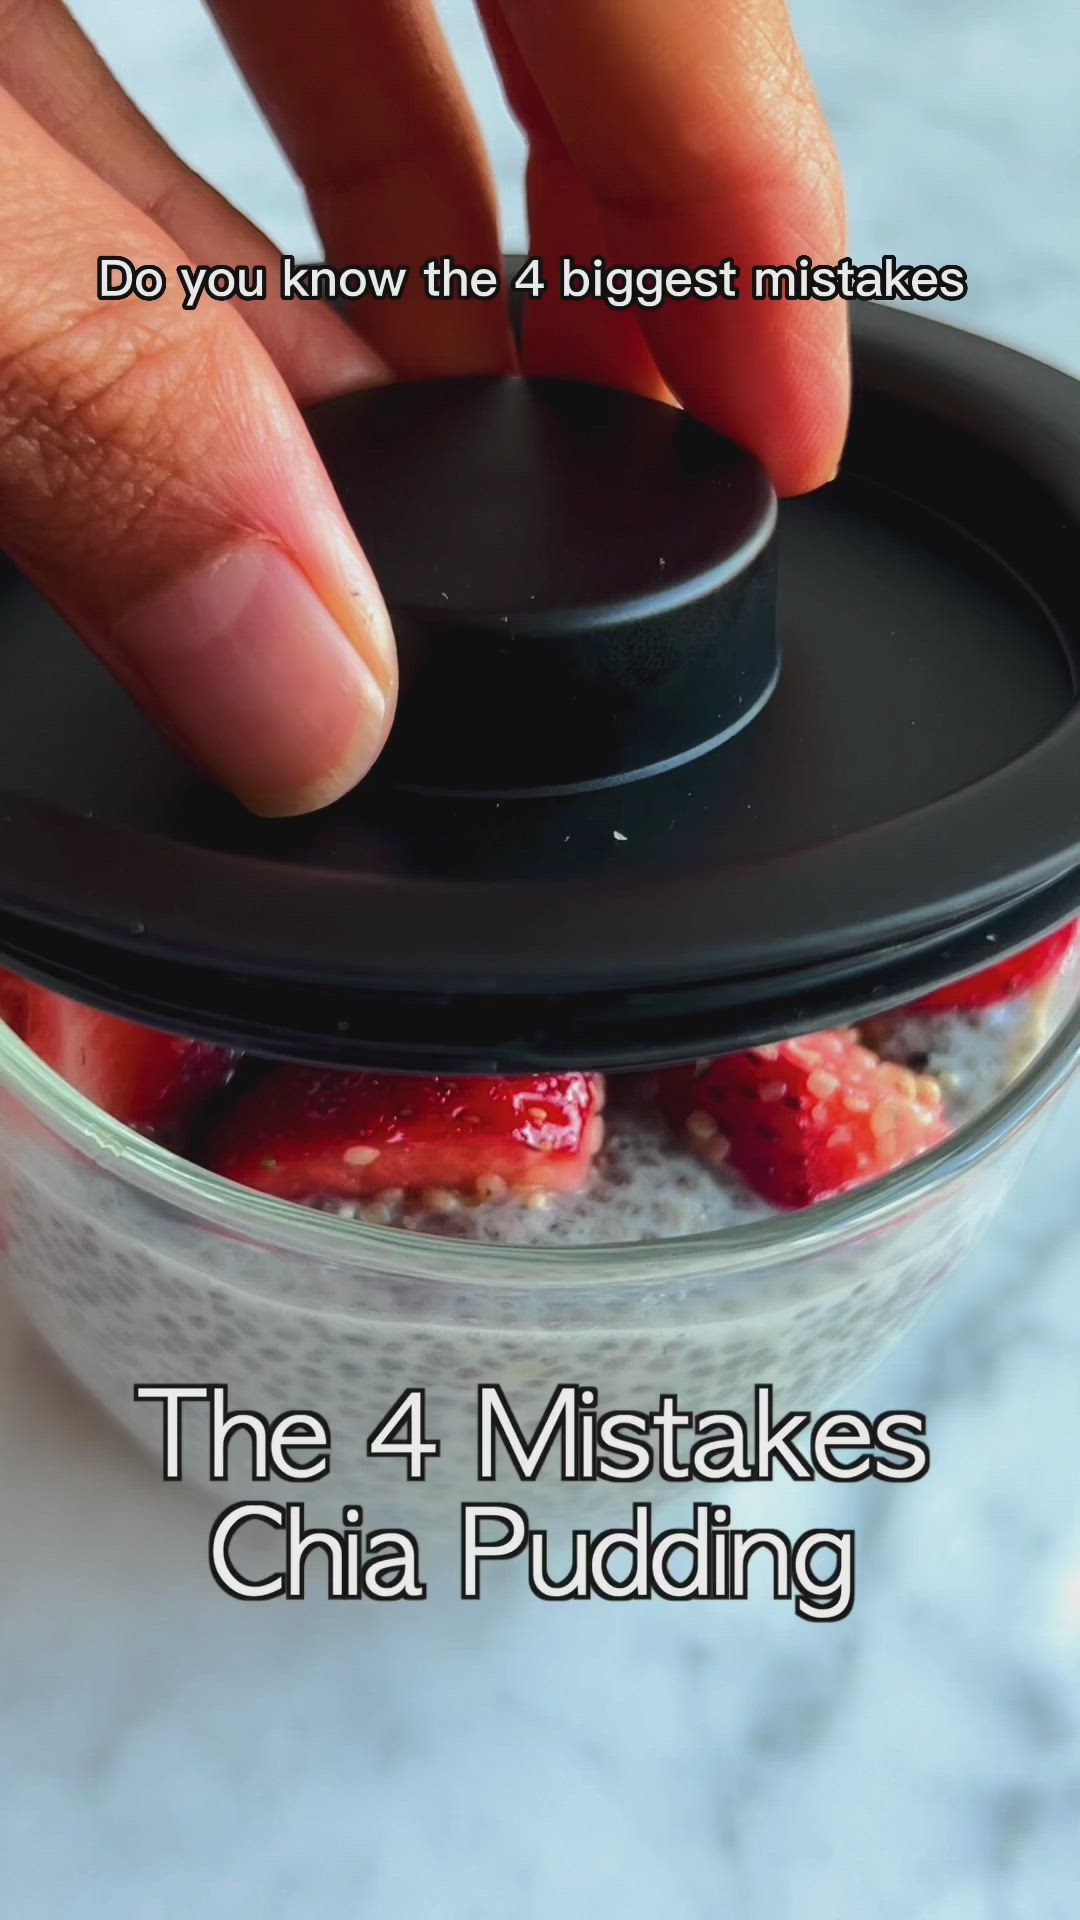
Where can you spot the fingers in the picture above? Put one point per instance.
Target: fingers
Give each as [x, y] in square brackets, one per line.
[705, 141]
[589, 341]
[157, 482]
[50, 67]
[368, 106]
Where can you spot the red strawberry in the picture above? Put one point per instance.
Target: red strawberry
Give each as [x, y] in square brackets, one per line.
[302, 1133]
[806, 1119]
[993, 985]
[152, 1081]
[13, 993]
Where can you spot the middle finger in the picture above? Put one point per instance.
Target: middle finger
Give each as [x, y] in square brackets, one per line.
[368, 106]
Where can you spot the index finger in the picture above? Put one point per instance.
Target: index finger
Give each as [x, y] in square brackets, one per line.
[700, 137]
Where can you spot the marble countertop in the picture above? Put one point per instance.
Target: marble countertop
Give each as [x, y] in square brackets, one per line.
[162, 1748]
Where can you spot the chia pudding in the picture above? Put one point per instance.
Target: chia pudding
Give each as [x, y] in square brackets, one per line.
[667, 1269]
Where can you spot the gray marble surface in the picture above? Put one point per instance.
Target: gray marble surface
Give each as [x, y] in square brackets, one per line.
[163, 1750]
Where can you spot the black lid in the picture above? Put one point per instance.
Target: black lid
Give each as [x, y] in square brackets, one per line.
[583, 583]
[519, 884]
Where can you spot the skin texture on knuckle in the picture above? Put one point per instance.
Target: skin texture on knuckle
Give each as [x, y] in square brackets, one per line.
[694, 164]
[118, 443]
[102, 435]
[705, 101]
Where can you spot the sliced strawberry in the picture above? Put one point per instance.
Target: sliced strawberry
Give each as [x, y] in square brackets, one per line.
[1005, 981]
[152, 1081]
[304, 1134]
[13, 993]
[805, 1119]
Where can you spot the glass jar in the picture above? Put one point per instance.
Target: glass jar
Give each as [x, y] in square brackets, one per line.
[139, 1268]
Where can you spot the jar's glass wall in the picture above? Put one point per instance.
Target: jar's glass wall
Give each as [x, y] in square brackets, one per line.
[127, 1288]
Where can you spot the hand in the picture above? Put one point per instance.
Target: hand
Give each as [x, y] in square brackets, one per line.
[156, 479]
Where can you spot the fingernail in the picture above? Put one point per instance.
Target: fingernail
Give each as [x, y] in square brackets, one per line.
[255, 676]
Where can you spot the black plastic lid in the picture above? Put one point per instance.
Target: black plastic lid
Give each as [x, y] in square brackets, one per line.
[606, 834]
[583, 583]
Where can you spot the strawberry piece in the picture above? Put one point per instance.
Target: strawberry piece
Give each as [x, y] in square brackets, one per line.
[302, 1134]
[806, 1119]
[992, 986]
[13, 992]
[154, 1082]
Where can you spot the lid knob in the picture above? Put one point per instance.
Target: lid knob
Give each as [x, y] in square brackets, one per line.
[582, 582]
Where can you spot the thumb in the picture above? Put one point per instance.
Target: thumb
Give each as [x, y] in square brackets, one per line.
[159, 485]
